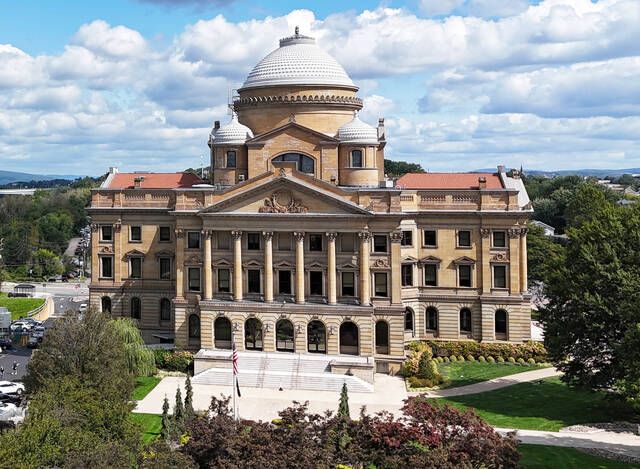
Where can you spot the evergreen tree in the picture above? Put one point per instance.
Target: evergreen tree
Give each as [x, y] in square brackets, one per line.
[178, 414]
[188, 401]
[343, 407]
[166, 420]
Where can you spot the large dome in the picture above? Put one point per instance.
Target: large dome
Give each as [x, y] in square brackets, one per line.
[298, 61]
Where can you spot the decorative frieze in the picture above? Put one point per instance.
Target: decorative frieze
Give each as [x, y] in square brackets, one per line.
[283, 202]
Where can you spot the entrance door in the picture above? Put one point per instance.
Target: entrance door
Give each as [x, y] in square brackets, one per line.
[348, 338]
[222, 333]
[284, 336]
[382, 338]
[253, 334]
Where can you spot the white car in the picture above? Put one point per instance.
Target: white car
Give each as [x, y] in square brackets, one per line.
[7, 387]
[20, 326]
[11, 412]
[83, 308]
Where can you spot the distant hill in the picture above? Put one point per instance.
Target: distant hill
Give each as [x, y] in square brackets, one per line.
[579, 172]
[8, 177]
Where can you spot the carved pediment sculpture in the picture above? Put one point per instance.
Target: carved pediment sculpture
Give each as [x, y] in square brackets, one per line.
[499, 257]
[283, 202]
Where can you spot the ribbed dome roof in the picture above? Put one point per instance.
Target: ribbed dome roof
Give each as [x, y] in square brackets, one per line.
[233, 133]
[298, 61]
[357, 131]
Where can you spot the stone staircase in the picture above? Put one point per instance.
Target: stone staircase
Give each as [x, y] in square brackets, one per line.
[282, 370]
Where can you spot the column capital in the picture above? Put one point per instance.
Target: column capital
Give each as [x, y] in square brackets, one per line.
[236, 234]
[485, 232]
[331, 235]
[179, 233]
[298, 235]
[267, 235]
[207, 233]
[524, 231]
[513, 232]
[365, 235]
[94, 227]
[396, 236]
[117, 226]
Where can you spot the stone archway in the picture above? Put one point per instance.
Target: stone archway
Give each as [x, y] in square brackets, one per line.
[253, 334]
[222, 333]
[382, 337]
[349, 339]
[285, 336]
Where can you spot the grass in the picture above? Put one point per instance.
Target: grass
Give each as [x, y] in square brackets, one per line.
[144, 385]
[547, 404]
[465, 373]
[539, 456]
[19, 307]
[151, 425]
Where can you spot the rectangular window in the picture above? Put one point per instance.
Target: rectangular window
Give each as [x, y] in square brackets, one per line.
[380, 281]
[499, 239]
[431, 275]
[356, 158]
[464, 275]
[193, 275]
[135, 264]
[407, 275]
[231, 159]
[347, 242]
[193, 240]
[135, 233]
[348, 284]
[253, 241]
[224, 280]
[223, 240]
[379, 243]
[253, 281]
[464, 238]
[165, 268]
[315, 242]
[430, 238]
[165, 234]
[407, 238]
[106, 233]
[499, 276]
[284, 241]
[284, 282]
[107, 267]
[315, 282]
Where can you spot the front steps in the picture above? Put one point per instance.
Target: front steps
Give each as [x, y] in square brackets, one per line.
[281, 370]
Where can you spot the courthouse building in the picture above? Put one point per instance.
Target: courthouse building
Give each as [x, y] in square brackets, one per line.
[299, 242]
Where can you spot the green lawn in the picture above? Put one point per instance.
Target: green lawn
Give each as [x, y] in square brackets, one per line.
[538, 457]
[19, 307]
[144, 385]
[464, 373]
[151, 425]
[548, 404]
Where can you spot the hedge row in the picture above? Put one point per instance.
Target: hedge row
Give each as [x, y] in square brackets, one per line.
[525, 351]
[172, 360]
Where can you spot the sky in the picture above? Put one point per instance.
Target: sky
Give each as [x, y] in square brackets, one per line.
[462, 84]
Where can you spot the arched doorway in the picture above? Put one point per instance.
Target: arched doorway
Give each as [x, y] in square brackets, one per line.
[431, 319]
[316, 337]
[349, 344]
[253, 334]
[285, 341]
[382, 337]
[501, 324]
[222, 333]
[165, 310]
[105, 304]
[304, 163]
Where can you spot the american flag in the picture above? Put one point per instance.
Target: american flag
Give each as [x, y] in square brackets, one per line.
[234, 360]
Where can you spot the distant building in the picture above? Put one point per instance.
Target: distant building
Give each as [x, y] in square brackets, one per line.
[548, 229]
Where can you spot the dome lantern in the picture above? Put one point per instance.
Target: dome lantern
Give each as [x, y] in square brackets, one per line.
[358, 132]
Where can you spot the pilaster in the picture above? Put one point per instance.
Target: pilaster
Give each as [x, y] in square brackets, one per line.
[268, 266]
[331, 268]
[237, 265]
[300, 293]
[365, 281]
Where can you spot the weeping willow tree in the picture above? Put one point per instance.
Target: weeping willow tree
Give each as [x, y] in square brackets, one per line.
[140, 359]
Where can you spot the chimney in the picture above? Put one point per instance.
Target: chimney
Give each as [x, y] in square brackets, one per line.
[501, 168]
[482, 182]
[381, 128]
[113, 170]
[137, 182]
[216, 125]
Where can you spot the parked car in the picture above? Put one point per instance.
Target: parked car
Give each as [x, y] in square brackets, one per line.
[21, 326]
[33, 342]
[38, 332]
[9, 411]
[83, 308]
[14, 399]
[6, 343]
[9, 387]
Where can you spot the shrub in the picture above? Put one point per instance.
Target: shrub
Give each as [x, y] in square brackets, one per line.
[173, 360]
[491, 359]
[427, 369]
[453, 358]
[470, 358]
[446, 359]
[511, 360]
[521, 361]
[531, 361]
[525, 351]
[461, 358]
[500, 360]
[481, 359]
[415, 382]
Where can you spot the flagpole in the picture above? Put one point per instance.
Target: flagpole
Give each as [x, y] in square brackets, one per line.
[233, 380]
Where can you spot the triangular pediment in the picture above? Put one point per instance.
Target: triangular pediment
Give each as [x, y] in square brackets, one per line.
[134, 253]
[464, 260]
[295, 130]
[283, 194]
[430, 260]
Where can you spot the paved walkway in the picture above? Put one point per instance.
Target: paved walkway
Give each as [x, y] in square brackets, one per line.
[493, 384]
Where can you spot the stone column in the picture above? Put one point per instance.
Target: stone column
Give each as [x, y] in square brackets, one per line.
[208, 271]
[299, 237]
[268, 266]
[514, 275]
[396, 267]
[331, 268]
[237, 265]
[179, 263]
[365, 281]
[117, 252]
[523, 260]
[485, 261]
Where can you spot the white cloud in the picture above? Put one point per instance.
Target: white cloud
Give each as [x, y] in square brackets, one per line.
[439, 7]
[118, 41]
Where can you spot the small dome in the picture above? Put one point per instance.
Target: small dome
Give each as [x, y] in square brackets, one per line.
[233, 133]
[298, 61]
[357, 131]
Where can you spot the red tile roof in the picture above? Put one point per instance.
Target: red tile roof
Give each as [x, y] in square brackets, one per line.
[447, 181]
[154, 180]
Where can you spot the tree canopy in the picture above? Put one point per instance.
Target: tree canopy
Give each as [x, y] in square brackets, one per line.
[398, 168]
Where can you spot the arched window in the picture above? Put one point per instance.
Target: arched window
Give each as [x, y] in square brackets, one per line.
[465, 320]
[253, 334]
[305, 164]
[284, 336]
[501, 322]
[356, 159]
[194, 326]
[408, 319]
[136, 308]
[316, 337]
[222, 333]
[349, 338]
[431, 323]
[105, 304]
[382, 337]
[165, 309]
